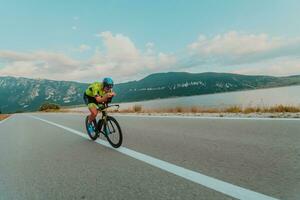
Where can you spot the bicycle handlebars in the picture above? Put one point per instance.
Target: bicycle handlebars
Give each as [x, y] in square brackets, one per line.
[108, 106]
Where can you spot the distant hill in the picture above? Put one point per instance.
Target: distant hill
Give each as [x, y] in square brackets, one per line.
[175, 84]
[22, 94]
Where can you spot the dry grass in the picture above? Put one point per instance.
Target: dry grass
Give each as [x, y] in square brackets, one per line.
[53, 110]
[137, 108]
[252, 110]
[61, 111]
[282, 108]
[3, 116]
[197, 109]
[231, 109]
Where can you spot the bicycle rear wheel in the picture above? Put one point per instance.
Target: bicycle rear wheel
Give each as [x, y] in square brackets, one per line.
[113, 132]
[94, 135]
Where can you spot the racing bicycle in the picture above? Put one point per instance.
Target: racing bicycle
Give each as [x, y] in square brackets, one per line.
[106, 125]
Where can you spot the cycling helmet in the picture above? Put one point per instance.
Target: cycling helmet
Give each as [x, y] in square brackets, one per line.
[108, 82]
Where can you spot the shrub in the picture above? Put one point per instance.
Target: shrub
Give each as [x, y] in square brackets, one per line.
[179, 109]
[49, 106]
[137, 108]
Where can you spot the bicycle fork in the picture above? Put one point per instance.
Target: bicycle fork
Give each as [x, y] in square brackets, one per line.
[104, 124]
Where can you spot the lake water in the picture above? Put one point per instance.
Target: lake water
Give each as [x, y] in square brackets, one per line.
[260, 97]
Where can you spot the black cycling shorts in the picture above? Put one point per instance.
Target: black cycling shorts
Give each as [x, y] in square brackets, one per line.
[87, 99]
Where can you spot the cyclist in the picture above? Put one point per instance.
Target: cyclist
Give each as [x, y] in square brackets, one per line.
[98, 93]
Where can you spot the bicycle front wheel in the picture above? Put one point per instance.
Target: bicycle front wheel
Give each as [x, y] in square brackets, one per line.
[113, 132]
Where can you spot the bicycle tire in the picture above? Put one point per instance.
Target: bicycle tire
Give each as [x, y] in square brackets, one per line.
[96, 135]
[112, 143]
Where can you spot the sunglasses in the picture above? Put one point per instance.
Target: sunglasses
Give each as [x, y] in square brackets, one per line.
[108, 87]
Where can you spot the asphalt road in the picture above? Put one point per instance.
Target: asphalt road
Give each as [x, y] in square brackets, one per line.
[39, 160]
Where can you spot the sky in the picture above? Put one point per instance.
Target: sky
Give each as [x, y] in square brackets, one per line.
[130, 39]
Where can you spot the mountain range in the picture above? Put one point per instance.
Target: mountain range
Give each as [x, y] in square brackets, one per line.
[23, 94]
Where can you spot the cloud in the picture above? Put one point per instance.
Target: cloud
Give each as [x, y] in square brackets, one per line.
[149, 48]
[282, 66]
[82, 48]
[234, 48]
[119, 58]
[122, 57]
[74, 28]
[40, 64]
[234, 44]
[119, 47]
[50, 58]
[149, 45]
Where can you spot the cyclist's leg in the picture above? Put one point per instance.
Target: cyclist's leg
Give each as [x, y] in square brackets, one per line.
[92, 106]
[93, 109]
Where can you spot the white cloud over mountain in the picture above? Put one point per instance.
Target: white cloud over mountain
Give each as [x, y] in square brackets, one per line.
[120, 58]
[235, 50]
[281, 66]
[235, 44]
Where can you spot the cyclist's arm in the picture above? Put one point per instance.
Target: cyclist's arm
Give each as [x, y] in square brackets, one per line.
[101, 99]
[112, 93]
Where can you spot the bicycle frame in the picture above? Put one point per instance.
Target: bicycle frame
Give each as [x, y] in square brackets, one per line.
[104, 115]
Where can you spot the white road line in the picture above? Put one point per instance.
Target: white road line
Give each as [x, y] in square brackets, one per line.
[209, 182]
